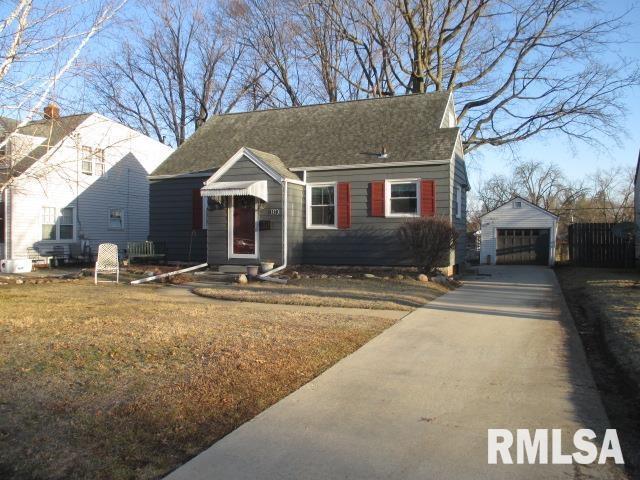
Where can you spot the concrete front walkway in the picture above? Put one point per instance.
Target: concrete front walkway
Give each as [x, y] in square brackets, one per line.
[416, 402]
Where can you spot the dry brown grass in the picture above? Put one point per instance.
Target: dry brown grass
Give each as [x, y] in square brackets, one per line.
[333, 292]
[615, 296]
[118, 382]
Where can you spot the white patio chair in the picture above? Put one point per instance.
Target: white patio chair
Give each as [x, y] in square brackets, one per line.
[107, 262]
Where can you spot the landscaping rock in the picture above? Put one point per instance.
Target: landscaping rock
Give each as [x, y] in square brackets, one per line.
[385, 278]
[369, 275]
[19, 281]
[348, 276]
[324, 275]
[242, 279]
[440, 279]
[423, 278]
[295, 275]
[399, 277]
[149, 273]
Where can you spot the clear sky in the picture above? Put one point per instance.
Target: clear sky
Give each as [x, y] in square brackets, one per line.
[577, 159]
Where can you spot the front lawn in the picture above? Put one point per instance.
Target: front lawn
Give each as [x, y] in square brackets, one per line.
[614, 296]
[120, 382]
[372, 293]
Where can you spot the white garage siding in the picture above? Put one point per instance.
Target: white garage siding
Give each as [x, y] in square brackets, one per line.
[508, 216]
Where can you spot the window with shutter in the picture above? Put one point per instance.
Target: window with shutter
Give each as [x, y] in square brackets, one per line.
[321, 205]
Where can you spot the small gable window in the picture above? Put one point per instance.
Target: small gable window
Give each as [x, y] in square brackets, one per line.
[92, 161]
[402, 198]
[87, 161]
[321, 206]
[517, 204]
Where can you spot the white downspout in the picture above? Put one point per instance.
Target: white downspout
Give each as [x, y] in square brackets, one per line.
[285, 248]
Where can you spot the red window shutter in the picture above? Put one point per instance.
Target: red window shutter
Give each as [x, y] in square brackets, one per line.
[377, 199]
[344, 205]
[427, 198]
[196, 209]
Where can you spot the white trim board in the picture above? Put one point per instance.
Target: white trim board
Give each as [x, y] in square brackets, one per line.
[370, 165]
[244, 152]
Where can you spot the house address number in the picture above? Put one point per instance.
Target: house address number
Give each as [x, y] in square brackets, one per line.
[274, 211]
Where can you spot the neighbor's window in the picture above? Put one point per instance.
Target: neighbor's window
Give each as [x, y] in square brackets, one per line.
[3, 148]
[66, 223]
[48, 223]
[458, 202]
[322, 207]
[98, 156]
[86, 157]
[402, 198]
[116, 219]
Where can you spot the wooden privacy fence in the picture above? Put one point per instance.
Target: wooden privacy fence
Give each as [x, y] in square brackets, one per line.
[601, 245]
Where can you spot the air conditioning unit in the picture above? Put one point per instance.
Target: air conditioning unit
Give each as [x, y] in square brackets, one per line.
[15, 265]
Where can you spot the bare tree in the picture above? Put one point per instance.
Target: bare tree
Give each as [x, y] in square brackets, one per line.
[181, 68]
[39, 49]
[543, 184]
[612, 196]
[519, 67]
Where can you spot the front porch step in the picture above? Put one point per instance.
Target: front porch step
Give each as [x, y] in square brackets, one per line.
[209, 276]
[233, 268]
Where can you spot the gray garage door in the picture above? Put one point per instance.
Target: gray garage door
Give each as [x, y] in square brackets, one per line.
[523, 246]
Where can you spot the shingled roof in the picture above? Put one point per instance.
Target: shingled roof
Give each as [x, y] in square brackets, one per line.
[53, 131]
[342, 133]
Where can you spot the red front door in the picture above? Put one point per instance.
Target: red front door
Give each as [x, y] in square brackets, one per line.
[244, 226]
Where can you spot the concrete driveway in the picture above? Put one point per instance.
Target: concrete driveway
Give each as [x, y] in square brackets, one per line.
[416, 402]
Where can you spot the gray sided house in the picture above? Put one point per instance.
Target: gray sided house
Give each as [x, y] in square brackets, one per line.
[323, 184]
[636, 203]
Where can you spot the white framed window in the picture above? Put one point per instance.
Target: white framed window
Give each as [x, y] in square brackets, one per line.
[48, 223]
[321, 205]
[98, 157]
[4, 149]
[458, 201]
[92, 161]
[402, 198]
[58, 227]
[65, 226]
[86, 159]
[116, 219]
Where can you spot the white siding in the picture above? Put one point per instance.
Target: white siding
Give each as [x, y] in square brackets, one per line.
[56, 181]
[507, 216]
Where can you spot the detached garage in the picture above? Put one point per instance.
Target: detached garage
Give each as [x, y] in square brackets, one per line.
[518, 233]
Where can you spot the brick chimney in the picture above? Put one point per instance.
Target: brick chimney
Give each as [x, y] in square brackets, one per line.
[51, 111]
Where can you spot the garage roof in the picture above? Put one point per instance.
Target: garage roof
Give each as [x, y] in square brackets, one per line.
[525, 201]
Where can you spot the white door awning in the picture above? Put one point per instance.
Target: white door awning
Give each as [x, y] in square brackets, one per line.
[221, 189]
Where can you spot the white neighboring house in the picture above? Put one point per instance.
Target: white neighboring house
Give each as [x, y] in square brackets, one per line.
[518, 232]
[79, 181]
